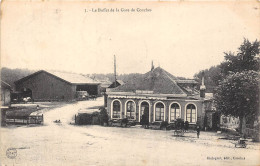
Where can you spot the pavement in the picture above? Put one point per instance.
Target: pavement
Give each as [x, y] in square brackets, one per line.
[67, 144]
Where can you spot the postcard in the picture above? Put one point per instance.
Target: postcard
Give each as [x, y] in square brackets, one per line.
[121, 83]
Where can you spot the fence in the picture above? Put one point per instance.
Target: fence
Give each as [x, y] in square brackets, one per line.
[32, 119]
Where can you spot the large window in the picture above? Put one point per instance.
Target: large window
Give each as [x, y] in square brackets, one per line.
[191, 113]
[175, 111]
[116, 109]
[130, 110]
[159, 112]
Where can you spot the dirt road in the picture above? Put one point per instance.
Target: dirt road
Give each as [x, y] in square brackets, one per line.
[66, 144]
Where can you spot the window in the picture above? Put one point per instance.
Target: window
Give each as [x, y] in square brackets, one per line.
[191, 113]
[130, 110]
[175, 111]
[116, 109]
[159, 112]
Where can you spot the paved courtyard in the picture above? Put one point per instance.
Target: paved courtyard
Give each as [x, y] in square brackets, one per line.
[67, 144]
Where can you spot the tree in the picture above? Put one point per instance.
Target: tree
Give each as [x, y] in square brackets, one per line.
[238, 95]
[246, 59]
[103, 116]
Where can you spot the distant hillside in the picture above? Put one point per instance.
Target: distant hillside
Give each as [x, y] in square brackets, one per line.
[110, 77]
[12, 75]
[124, 77]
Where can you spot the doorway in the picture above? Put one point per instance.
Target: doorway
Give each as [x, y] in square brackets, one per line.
[144, 113]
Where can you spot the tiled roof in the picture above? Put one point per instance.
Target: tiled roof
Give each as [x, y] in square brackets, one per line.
[74, 78]
[71, 78]
[158, 80]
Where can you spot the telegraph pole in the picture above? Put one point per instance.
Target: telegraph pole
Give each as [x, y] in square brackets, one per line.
[115, 70]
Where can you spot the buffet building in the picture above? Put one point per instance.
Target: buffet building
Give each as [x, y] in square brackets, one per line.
[160, 96]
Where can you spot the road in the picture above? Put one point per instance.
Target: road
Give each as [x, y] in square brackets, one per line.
[66, 144]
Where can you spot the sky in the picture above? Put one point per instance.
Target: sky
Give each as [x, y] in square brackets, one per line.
[181, 37]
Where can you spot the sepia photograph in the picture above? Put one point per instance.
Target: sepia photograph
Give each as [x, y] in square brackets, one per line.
[129, 83]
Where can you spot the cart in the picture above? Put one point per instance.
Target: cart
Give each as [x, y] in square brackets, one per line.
[178, 133]
[241, 143]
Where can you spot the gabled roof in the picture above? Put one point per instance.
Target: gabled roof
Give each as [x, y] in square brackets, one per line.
[74, 78]
[118, 83]
[71, 78]
[158, 80]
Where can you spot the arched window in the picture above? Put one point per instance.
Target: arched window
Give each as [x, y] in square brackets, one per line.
[130, 110]
[116, 109]
[159, 112]
[191, 113]
[175, 111]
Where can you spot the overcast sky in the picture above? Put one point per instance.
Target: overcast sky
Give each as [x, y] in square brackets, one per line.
[183, 38]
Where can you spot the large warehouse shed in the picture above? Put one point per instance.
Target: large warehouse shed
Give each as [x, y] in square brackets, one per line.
[50, 85]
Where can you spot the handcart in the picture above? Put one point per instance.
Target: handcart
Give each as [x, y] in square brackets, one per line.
[241, 143]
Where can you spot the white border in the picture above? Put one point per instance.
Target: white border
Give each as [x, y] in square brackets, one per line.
[154, 111]
[111, 111]
[174, 102]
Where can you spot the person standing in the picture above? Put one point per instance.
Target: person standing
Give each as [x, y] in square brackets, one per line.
[198, 131]
[186, 126]
[145, 118]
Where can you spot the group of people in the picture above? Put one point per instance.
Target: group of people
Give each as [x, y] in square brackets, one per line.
[185, 126]
[179, 125]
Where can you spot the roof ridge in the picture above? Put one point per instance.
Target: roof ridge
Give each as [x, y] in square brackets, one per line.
[58, 74]
[5, 83]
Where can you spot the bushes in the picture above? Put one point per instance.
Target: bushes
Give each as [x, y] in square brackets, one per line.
[87, 119]
[95, 118]
[103, 116]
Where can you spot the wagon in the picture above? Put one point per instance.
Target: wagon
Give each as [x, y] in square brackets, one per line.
[178, 133]
[241, 143]
[122, 123]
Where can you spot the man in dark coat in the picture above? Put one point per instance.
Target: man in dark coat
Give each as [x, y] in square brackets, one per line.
[198, 131]
[186, 126]
[145, 118]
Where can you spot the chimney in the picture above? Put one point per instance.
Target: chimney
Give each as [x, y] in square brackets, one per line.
[202, 87]
[152, 66]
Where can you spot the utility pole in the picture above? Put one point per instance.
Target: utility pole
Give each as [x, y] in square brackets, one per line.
[152, 67]
[115, 70]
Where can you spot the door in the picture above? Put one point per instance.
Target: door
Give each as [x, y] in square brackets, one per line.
[144, 113]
